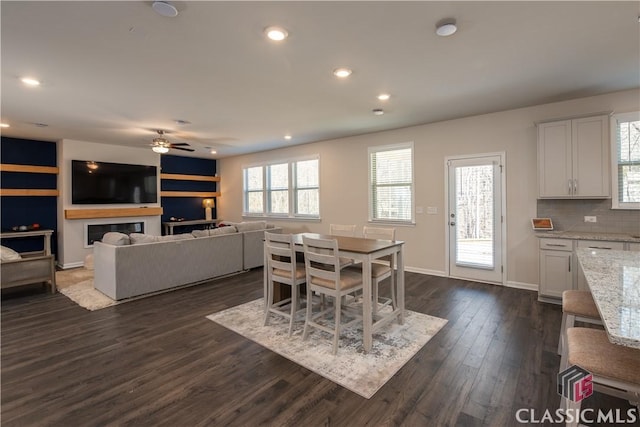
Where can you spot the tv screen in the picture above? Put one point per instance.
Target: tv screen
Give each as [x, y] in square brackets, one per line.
[111, 183]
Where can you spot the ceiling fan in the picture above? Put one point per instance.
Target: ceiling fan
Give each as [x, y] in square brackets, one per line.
[161, 145]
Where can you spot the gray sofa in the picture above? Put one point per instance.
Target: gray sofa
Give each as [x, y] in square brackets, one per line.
[129, 270]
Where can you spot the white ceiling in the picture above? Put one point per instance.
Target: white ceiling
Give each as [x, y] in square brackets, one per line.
[112, 72]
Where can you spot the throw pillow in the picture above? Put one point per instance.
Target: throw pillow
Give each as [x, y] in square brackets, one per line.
[116, 239]
[8, 254]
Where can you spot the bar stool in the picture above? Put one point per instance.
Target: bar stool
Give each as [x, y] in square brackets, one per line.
[615, 368]
[580, 306]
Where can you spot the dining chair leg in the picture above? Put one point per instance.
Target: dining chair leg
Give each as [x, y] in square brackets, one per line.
[269, 298]
[305, 332]
[574, 409]
[336, 334]
[295, 295]
[568, 321]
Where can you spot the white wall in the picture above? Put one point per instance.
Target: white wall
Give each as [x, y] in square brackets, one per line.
[343, 178]
[71, 250]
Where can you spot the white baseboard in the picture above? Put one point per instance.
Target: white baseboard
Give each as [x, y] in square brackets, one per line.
[522, 285]
[71, 265]
[425, 271]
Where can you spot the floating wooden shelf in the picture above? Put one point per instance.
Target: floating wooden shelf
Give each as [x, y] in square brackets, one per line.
[110, 213]
[6, 167]
[190, 194]
[28, 192]
[182, 177]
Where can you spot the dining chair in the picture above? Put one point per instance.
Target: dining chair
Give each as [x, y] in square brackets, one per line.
[345, 231]
[342, 230]
[615, 369]
[381, 269]
[325, 277]
[282, 268]
[576, 306]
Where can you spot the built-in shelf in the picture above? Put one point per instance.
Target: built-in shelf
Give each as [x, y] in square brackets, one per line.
[6, 167]
[28, 192]
[111, 213]
[183, 177]
[190, 194]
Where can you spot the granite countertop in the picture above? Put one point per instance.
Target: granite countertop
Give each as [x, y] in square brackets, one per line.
[614, 280]
[590, 235]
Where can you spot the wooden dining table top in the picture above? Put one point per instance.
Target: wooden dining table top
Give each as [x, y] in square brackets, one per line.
[351, 244]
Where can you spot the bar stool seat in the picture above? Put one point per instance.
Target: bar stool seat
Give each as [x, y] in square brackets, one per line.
[580, 306]
[615, 369]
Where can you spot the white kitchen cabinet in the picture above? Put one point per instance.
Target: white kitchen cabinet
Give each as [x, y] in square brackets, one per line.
[556, 267]
[634, 247]
[597, 245]
[573, 158]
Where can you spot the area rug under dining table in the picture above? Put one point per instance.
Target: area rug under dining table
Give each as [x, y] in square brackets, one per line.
[362, 373]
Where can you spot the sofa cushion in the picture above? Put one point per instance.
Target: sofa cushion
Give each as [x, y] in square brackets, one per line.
[200, 233]
[137, 238]
[223, 230]
[116, 239]
[8, 254]
[251, 226]
[171, 237]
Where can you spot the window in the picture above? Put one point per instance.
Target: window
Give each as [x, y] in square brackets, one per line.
[292, 189]
[391, 183]
[625, 169]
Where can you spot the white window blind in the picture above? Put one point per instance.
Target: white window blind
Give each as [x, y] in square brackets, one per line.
[626, 168]
[391, 183]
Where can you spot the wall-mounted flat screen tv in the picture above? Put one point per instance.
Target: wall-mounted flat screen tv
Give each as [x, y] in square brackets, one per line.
[112, 183]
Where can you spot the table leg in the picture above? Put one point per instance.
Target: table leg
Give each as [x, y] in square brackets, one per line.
[47, 244]
[367, 338]
[401, 284]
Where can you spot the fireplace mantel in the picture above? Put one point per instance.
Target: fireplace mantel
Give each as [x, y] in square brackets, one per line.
[111, 213]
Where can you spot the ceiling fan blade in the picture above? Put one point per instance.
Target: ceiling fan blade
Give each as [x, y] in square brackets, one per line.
[177, 144]
[183, 149]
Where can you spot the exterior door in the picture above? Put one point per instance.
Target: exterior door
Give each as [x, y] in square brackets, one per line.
[474, 218]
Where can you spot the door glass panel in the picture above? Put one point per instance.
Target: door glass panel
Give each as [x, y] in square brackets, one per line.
[474, 216]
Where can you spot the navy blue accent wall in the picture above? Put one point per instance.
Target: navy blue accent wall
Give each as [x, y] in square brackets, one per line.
[28, 210]
[189, 208]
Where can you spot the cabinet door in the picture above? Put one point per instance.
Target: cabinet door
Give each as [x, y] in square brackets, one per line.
[590, 146]
[555, 273]
[554, 159]
[634, 246]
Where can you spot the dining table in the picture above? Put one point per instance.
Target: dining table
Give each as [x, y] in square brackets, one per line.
[613, 277]
[367, 251]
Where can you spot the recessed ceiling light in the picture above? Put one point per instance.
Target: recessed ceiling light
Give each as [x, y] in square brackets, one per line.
[378, 111]
[342, 72]
[4, 125]
[213, 151]
[384, 96]
[446, 27]
[29, 81]
[287, 137]
[276, 33]
[165, 9]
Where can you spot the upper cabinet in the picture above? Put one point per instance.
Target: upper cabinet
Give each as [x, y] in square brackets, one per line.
[573, 158]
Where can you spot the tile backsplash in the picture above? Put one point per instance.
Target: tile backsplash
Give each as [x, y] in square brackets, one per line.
[568, 215]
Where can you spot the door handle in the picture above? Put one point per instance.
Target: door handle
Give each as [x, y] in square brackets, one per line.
[575, 187]
[569, 187]
[452, 224]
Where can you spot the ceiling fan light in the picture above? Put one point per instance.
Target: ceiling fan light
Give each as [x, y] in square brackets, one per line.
[160, 149]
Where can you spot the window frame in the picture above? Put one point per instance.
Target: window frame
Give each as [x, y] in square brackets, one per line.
[370, 191]
[615, 199]
[292, 189]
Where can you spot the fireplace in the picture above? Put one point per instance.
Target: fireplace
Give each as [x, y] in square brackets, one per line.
[94, 231]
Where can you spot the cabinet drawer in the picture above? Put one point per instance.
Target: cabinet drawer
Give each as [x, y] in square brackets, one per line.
[557, 244]
[598, 244]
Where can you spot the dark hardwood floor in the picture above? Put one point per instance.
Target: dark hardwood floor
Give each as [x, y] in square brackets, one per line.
[159, 361]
